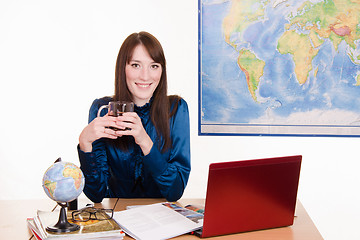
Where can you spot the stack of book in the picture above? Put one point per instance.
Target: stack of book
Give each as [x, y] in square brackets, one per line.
[92, 229]
[145, 222]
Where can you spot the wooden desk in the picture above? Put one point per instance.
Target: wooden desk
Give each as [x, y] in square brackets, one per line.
[14, 213]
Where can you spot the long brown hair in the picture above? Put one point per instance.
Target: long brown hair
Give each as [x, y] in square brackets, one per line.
[161, 103]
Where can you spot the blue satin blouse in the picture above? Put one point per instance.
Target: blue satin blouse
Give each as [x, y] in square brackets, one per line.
[111, 172]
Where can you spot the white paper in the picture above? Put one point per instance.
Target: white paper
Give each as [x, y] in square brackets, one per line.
[155, 221]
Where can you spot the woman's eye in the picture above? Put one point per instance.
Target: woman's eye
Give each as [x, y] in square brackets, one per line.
[155, 66]
[135, 65]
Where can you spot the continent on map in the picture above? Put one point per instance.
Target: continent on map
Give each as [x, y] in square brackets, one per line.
[336, 20]
[238, 19]
[253, 69]
[241, 15]
[300, 47]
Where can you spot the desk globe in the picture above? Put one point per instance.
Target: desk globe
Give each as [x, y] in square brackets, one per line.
[63, 182]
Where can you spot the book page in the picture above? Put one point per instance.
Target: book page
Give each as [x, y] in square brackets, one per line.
[158, 221]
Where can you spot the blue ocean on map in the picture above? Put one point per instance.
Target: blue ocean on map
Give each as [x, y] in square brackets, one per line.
[225, 96]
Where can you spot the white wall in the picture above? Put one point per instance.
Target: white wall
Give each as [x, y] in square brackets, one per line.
[61, 55]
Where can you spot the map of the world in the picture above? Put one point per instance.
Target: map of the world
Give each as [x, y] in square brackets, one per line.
[279, 67]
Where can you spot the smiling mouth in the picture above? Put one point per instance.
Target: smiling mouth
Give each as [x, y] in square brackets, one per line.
[143, 85]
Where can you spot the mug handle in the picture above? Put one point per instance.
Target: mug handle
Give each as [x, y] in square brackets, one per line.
[101, 108]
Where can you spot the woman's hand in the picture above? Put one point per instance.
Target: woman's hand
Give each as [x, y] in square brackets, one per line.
[98, 128]
[132, 124]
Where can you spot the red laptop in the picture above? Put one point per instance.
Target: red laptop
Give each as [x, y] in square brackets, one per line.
[251, 195]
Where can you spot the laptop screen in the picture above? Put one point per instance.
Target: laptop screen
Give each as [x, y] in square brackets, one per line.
[251, 195]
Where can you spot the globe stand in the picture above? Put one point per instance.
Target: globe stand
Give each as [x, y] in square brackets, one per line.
[63, 225]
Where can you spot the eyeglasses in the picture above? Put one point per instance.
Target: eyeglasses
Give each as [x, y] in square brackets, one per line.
[91, 213]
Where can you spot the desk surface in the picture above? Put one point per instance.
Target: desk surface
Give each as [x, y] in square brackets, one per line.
[13, 223]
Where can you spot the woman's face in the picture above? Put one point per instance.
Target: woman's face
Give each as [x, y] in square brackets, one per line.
[142, 75]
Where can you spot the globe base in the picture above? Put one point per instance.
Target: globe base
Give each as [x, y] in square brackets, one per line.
[63, 226]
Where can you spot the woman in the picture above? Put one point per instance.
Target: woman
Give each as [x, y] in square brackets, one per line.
[152, 158]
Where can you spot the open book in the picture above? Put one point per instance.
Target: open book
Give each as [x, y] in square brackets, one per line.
[158, 221]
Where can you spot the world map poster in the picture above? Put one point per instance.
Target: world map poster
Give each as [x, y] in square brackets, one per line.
[279, 67]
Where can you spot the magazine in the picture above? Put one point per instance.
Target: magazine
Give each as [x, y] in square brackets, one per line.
[158, 221]
[33, 228]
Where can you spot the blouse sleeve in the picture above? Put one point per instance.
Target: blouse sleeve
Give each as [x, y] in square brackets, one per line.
[94, 165]
[171, 173]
